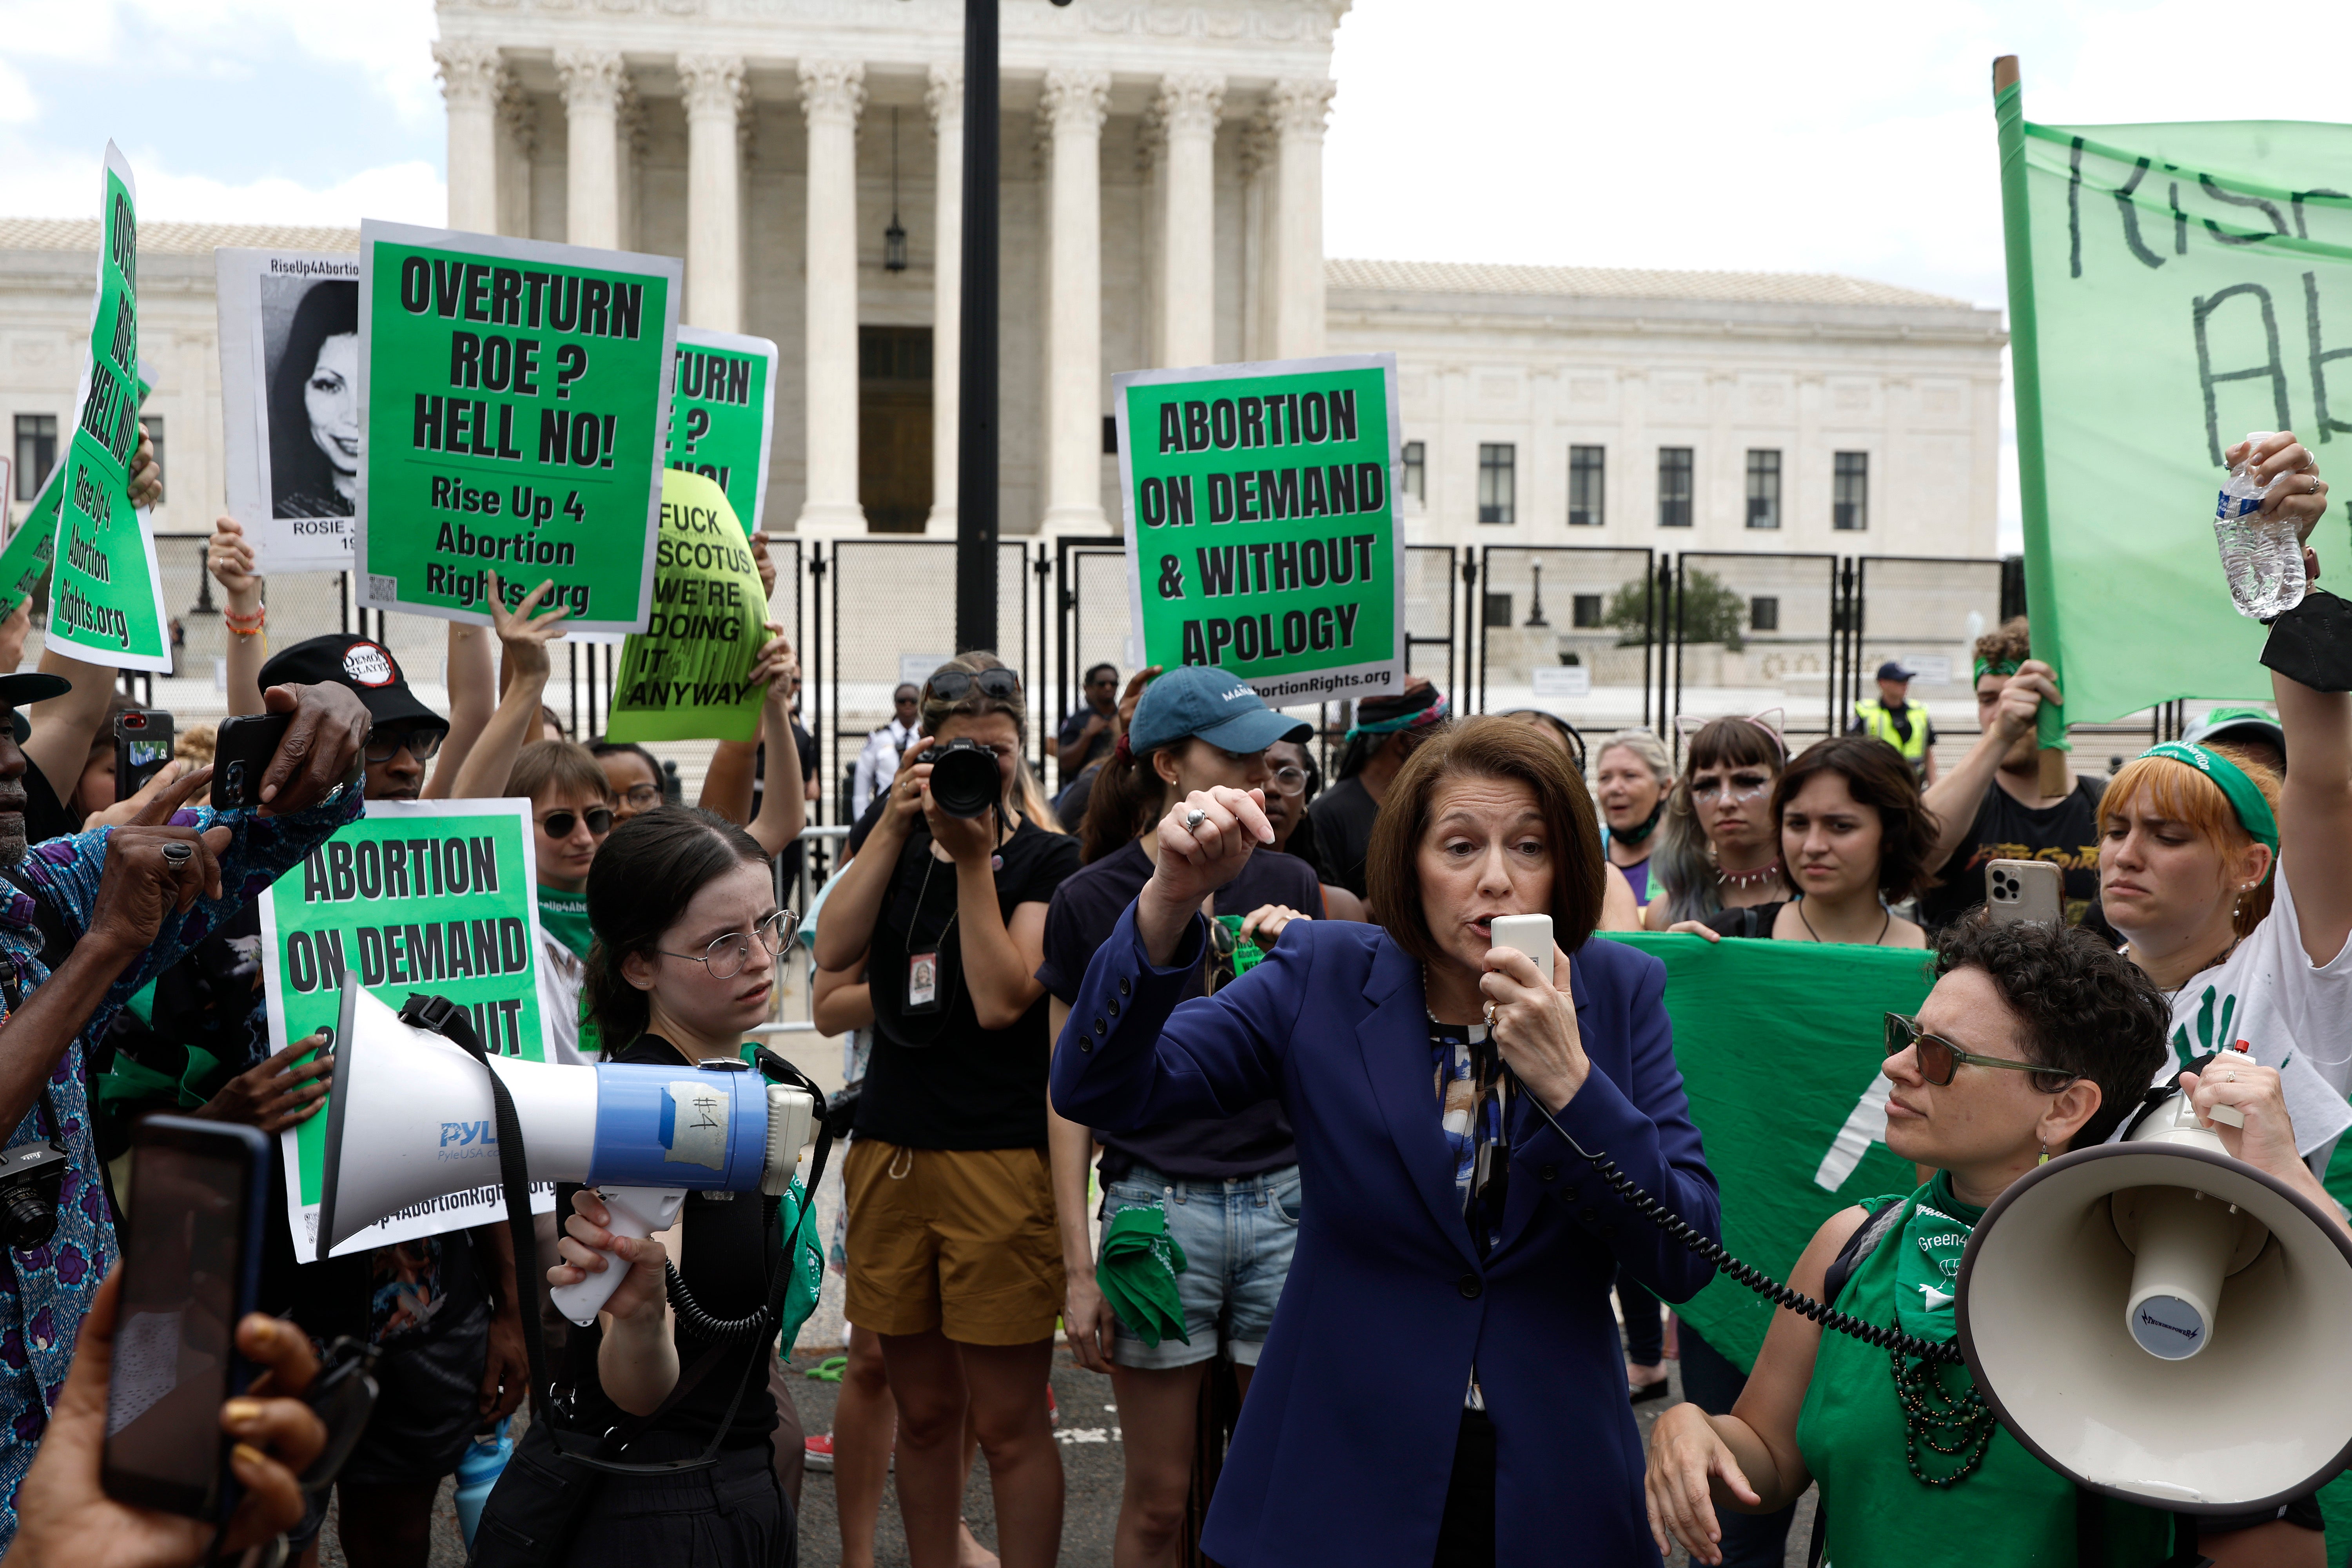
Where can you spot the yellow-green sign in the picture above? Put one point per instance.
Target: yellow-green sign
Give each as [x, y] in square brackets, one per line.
[683, 678]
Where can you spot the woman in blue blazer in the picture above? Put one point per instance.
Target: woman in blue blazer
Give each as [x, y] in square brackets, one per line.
[1443, 1384]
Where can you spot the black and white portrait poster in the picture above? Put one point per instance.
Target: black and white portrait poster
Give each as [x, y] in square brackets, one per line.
[290, 407]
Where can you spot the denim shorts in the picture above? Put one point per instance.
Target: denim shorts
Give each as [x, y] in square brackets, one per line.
[1238, 1235]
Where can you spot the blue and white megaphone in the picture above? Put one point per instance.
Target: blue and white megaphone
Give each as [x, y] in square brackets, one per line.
[411, 1121]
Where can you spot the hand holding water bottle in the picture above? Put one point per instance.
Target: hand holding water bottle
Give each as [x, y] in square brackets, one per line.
[2272, 500]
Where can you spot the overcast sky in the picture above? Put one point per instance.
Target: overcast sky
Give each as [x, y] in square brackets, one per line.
[1816, 136]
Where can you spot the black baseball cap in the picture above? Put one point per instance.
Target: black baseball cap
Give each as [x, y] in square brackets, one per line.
[1893, 670]
[362, 664]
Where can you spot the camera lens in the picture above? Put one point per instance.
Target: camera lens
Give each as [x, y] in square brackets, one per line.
[25, 1219]
[963, 779]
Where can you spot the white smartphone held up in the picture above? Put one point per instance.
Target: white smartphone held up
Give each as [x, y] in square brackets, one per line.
[1530, 934]
[2022, 891]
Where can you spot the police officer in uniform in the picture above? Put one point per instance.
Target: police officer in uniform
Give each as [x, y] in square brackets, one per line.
[1896, 721]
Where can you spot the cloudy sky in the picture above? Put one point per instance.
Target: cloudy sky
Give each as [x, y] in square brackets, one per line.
[1830, 135]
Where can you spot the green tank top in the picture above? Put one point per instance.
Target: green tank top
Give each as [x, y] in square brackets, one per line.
[2013, 1510]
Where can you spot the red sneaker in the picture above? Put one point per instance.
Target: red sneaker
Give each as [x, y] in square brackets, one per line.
[818, 1450]
[1053, 1411]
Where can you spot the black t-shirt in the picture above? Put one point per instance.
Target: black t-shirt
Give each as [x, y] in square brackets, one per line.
[46, 816]
[938, 1079]
[1086, 908]
[1076, 725]
[1343, 817]
[1753, 921]
[733, 1245]
[2066, 834]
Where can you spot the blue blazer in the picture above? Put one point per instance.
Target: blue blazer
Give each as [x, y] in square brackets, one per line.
[1346, 1441]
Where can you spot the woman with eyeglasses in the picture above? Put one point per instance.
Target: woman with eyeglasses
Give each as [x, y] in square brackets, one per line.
[633, 774]
[1718, 848]
[2036, 1039]
[684, 966]
[953, 1258]
[1228, 1185]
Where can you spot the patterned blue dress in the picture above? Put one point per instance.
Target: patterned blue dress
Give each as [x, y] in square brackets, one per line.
[45, 1290]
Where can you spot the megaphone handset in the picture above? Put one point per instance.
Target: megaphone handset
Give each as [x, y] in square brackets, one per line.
[635, 1212]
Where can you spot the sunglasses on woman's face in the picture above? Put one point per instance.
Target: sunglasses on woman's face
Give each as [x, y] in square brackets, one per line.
[950, 685]
[560, 824]
[1940, 1058]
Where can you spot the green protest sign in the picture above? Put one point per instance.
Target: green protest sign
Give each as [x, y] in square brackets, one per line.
[722, 416]
[1780, 1045]
[683, 678]
[421, 896]
[1262, 534]
[512, 399]
[2171, 287]
[106, 599]
[24, 558]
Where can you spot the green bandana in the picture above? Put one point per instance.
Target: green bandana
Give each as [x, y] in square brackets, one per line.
[564, 917]
[1138, 1274]
[1928, 1271]
[1994, 667]
[2252, 811]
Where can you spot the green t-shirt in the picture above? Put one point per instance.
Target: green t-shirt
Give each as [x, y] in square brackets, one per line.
[2014, 1510]
[564, 917]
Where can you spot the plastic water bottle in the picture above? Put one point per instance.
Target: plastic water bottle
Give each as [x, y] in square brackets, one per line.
[478, 1471]
[2262, 557]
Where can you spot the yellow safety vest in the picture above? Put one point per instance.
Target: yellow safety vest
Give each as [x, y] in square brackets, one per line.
[1881, 724]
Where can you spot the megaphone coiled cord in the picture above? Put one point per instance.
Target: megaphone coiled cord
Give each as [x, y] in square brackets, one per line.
[1756, 1279]
[701, 1323]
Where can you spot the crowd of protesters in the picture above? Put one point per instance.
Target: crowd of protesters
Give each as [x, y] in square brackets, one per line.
[1105, 1019]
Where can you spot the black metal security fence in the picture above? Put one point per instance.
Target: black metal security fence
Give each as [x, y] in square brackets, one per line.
[1608, 639]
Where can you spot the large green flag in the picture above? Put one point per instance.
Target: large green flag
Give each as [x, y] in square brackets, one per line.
[2171, 288]
[106, 598]
[1781, 1045]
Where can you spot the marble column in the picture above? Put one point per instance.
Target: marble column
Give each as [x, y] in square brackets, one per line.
[712, 89]
[832, 92]
[1187, 109]
[945, 102]
[1298, 109]
[472, 78]
[591, 81]
[1073, 109]
[1258, 199]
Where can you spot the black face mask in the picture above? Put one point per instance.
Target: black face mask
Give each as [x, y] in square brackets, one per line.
[1637, 834]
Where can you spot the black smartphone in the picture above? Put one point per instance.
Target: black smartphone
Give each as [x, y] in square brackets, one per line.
[241, 754]
[142, 744]
[190, 1270]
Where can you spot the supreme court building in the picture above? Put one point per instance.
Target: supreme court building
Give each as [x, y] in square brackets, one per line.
[1162, 202]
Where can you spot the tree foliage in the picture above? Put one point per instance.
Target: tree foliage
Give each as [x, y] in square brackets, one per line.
[1710, 610]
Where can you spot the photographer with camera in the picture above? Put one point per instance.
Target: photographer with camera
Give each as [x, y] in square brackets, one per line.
[954, 1259]
[88, 920]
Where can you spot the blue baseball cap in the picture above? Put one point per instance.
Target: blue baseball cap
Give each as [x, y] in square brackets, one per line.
[1221, 709]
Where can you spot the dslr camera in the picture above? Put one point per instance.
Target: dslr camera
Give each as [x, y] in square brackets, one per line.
[32, 1176]
[965, 778]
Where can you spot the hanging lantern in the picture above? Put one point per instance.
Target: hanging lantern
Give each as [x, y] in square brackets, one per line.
[894, 238]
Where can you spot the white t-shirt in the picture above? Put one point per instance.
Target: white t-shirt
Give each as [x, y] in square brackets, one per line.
[566, 977]
[2293, 1016]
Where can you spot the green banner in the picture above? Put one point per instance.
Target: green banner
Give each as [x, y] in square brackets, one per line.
[1781, 1045]
[434, 897]
[1262, 534]
[722, 416]
[683, 678]
[106, 599]
[24, 558]
[512, 399]
[2171, 288]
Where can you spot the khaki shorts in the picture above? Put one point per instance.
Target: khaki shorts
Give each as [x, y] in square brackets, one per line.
[962, 1240]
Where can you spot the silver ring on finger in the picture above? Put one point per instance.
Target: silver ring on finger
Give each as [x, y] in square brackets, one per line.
[1490, 1016]
[1193, 818]
[2314, 485]
[179, 854]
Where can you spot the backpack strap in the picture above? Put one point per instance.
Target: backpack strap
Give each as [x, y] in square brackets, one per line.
[1858, 1247]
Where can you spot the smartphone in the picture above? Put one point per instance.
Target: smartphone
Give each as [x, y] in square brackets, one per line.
[1530, 934]
[241, 754]
[142, 744]
[2017, 890]
[191, 1270]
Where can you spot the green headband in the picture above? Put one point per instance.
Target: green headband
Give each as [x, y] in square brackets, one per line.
[1994, 667]
[2253, 812]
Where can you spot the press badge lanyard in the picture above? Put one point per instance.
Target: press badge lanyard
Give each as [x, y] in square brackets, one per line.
[923, 968]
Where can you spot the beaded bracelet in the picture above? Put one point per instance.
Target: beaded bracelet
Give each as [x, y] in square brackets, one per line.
[238, 623]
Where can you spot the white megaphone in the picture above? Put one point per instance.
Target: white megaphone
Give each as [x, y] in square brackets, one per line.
[412, 1119]
[2161, 1322]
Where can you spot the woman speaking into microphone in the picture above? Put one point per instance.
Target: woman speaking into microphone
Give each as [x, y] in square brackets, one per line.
[1460, 1244]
